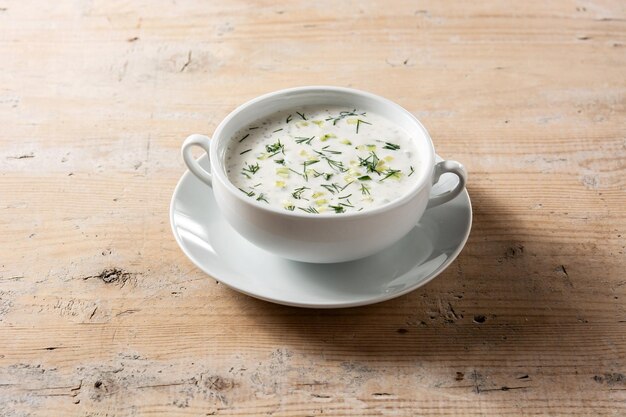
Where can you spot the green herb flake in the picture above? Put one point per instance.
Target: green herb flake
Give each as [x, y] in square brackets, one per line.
[370, 163]
[333, 188]
[262, 197]
[248, 193]
[334, 164]
[331, 151]
[391, 146]
[338, 209]
[365, 178]
[301, 139]
[252, 169]
[309, 163]
[358, 123]
[297, 193]
[391, 173]
[345, 186]
[275, 148]
[244, 138]
[296, 172]
[288, 119]
[412, 171]
[306, 164]
[246, 151]
[309, 209]
[301, 115]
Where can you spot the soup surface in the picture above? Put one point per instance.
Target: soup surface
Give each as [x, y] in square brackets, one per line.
[322, 159]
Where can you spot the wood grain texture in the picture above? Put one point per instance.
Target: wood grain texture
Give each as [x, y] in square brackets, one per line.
[95, 99]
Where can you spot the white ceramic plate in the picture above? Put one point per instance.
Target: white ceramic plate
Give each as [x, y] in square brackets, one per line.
[214, 247]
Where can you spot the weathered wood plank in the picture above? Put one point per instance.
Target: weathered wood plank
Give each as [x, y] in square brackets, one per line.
[95, 99]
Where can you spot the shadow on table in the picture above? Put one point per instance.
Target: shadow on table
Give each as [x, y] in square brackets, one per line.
[506, 306]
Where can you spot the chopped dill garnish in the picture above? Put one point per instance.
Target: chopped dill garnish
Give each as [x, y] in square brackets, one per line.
[343, 115]
[309, 209]
[305, 165]
[252, 169]
[345, 186]
[327, 176]
[412, 171]
[262, 197]
[308, 163]
[317, 174]
[246, 151]
[391, 146]
[253, 127]
[391, 173]
[302, 139]
[277, 130]
[365, 190]
[297, 193]
[370, 163]
[336, 165]
[244, 138]
[301, 115]
[358, 123]
[249, 194]
[275, 148]
[288, 119]
[345, 196]
[296, 172]
[290, 207]
[338, 209]
[330, 151]
[365, 178]
[347, 204]
[256, 185]
[280, 161]
[333, 188]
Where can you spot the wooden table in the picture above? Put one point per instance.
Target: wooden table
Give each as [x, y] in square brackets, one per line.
[95, 100]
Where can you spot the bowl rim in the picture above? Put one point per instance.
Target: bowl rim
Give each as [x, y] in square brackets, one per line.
[422, 182]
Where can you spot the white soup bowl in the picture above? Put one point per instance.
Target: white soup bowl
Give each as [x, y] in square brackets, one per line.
[325, 237]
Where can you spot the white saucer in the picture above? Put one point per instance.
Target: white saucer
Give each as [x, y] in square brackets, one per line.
[214, 247]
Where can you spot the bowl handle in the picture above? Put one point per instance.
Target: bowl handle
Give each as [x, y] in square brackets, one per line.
[441, 168]
[193, 165]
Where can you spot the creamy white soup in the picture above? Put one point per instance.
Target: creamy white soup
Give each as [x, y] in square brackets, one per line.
[323, 159]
